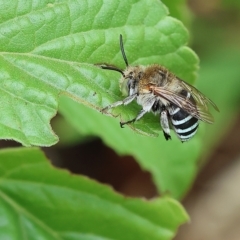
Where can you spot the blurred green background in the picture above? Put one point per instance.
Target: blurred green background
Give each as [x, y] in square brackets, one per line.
[213, 202]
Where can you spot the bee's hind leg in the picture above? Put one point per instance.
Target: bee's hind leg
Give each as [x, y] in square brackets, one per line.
[167, 136]
[165, 124]
[140, 115]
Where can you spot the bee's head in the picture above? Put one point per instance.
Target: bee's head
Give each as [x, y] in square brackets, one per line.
[130, 76]
[130, 80]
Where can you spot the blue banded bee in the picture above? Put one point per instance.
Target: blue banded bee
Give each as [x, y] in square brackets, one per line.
[156, 89]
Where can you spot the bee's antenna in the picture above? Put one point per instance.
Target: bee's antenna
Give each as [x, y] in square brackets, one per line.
[122, 50]
[113, 68]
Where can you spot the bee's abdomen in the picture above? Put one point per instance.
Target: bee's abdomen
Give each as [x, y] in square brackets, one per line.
[184, 124]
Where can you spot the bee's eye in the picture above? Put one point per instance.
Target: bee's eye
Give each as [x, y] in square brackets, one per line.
[125, 86]
[128, 84]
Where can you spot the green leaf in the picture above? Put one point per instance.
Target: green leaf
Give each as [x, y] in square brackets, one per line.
[40, 202]
[172, 163]
[48, 48]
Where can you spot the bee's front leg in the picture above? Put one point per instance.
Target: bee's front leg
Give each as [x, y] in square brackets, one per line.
[125, 101]
[140, 115]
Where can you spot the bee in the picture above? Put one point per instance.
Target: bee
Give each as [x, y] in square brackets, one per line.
[179, 105]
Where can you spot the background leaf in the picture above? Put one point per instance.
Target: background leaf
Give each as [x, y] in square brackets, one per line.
[37, 201]
[47, 50]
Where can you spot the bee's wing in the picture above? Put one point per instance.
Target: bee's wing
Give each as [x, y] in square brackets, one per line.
[197, 110]
[200, 98]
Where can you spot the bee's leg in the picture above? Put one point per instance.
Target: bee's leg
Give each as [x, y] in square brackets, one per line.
[165, 124]
[140, 115]
[125, 101]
